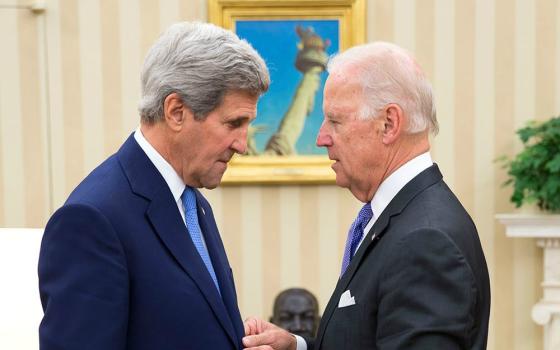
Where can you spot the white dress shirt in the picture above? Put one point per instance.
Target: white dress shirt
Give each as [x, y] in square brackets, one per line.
[173, 180]
[384, 195]
[393, 184]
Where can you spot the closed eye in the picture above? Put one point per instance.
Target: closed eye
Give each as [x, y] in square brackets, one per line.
[333, 122]
[237, 123]
[332, 119]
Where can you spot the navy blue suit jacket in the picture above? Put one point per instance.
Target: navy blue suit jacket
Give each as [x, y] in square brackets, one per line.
[118, 270]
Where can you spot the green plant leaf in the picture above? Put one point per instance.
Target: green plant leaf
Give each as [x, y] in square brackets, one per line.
[534, 173]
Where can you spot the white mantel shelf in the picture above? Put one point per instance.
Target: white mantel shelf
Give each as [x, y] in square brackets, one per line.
[546, 229]
[531, 225]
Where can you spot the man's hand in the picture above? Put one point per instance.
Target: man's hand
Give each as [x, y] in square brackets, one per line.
[262, 335]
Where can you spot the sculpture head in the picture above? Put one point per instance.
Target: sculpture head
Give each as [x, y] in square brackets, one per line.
[297, 311]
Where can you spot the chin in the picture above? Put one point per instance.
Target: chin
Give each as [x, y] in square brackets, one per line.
[211, 184]
[213, 181]
[213, 177]
[342, 181]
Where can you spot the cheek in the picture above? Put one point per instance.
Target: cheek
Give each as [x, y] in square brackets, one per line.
[358, 157]
[222, 149]
[351, 165]
[223, 140]
[215, 146]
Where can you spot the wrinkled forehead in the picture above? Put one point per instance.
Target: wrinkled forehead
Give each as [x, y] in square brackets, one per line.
[342, 91]
[344, 75]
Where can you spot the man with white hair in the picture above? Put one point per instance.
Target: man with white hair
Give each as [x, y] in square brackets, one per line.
[413, 273]
[133, 259]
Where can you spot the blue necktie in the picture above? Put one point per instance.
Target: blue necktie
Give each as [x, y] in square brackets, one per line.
[191, 217]
[355, 234]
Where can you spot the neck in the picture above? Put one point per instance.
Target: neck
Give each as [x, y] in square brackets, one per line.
[158, 136]
[404, 151]
[400, 153]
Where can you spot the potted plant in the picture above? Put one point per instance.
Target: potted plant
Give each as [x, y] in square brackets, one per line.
[534, 173]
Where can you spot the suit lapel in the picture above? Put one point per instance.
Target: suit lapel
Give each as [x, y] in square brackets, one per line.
[163, 214]
[418, 184]
[220, 264]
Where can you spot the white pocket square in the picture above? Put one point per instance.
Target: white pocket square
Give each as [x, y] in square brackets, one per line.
[346, 299]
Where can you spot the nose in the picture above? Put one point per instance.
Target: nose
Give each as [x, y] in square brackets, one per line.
[297, 323]
[323, 137]
[239, 144]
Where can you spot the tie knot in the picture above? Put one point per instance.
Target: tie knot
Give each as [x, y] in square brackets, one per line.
[355, 235]
[365, 213]
[189, 199]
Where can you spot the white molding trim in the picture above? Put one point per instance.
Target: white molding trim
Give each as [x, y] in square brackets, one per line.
[545, 228]
[531, 225]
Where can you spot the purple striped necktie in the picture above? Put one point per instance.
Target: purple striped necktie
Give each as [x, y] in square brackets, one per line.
[355, 234]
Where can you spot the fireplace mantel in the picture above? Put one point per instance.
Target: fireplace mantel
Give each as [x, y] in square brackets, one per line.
[545, 229]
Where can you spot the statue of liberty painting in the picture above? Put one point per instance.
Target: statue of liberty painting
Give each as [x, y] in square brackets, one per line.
[310, 60]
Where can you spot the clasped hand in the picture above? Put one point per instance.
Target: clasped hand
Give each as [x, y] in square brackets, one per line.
[262, 335]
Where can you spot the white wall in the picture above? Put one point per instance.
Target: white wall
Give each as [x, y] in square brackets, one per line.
[20, 306]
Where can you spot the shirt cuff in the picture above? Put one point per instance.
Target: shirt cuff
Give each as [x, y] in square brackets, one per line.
[301, 344]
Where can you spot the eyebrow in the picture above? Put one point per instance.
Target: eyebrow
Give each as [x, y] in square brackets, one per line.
[239, 117]
[332, 116]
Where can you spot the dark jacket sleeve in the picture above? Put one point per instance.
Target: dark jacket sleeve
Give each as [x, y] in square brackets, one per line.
[310, 343]
[83, 282]
[427, 296]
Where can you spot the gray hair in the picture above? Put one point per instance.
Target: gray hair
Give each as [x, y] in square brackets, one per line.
[389, 74]
[201, 63]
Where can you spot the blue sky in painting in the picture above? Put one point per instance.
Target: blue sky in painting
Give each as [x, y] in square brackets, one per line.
[276, 41]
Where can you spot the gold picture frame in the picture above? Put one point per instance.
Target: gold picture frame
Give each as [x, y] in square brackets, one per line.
[350, 17]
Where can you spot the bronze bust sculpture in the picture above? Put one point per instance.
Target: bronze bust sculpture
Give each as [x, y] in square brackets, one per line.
[297, 311]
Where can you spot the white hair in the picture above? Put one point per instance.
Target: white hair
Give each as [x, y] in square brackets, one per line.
[389, 74]
[201, 63]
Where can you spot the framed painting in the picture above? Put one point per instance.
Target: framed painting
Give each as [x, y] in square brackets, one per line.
[295, 38]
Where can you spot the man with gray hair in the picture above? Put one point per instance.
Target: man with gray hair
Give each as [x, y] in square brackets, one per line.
[133, 259]
[413, 273]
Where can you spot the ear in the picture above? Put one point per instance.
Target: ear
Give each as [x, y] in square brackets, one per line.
[393, 122]
[175, 112]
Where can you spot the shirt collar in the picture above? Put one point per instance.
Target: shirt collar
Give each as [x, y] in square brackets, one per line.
[173, 180]
[397, 180]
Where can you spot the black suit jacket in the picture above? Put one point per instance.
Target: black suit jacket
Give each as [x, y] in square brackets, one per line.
[420, 283]
[118, 270]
